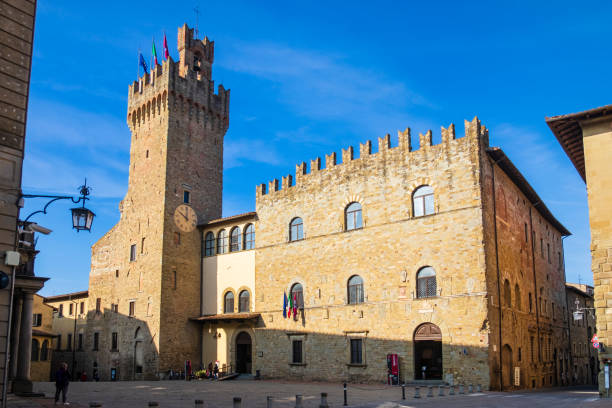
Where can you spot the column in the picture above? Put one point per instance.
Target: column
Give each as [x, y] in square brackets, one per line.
[22, 382]
[15, 330]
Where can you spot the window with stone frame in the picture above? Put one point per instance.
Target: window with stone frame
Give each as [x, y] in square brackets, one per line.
[96, 341]
[426, 282]
[209, 244]
[297, 295]
[132, 309]
[132, 252]
[186, 197]
[296, 229]
[244, 301]
[114, 341]
[44, 351]
[249, 237]
[353, 217]
[222, 242]
[507, 293]
[423, 201]
[228, 303]
[70, 309]
[297, 352]
[517, 297]
[37, 320]
[235, 238]
[355, 290]
[356, 351]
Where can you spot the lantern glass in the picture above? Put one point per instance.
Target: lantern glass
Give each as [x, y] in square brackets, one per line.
[82, 218]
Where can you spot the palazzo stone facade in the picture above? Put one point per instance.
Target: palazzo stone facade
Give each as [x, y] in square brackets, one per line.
[442, 255]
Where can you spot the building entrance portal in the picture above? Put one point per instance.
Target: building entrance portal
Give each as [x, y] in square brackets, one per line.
[243, 353]
[428, 352]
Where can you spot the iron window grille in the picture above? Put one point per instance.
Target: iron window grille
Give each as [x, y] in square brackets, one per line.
[355, 290]
[426, 283]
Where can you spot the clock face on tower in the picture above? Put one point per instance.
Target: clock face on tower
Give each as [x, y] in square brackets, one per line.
[185, 218]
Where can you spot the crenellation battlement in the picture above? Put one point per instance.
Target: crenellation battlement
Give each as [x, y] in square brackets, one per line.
[475, 132]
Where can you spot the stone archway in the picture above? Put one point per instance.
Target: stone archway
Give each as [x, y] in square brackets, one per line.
[244, 347]
[138, 354]
[428, 352]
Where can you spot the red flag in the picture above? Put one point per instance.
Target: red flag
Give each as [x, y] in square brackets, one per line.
[295, 305]
[166, 53]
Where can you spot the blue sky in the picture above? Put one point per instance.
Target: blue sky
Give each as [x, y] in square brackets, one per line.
[309, 78]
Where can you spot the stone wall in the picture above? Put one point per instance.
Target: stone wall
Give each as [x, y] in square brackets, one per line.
[583, 365]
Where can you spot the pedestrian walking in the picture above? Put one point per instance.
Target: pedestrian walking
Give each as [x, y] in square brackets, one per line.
[216, 370]
[62, 378]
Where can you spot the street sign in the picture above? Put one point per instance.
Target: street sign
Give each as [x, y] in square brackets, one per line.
[595, 341]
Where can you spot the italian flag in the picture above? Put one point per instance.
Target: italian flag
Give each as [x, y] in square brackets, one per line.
[290, 305]
[154, 53]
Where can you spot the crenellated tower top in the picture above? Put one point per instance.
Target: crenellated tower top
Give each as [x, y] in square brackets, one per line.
[195, 55]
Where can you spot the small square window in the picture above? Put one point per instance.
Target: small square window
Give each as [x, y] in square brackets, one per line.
[186, 197]
[296, 355]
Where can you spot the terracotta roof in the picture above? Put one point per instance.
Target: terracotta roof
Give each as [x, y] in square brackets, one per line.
[577, 290]
[231, 218]
[515, 175]
[67, 296]
[228, 316]
[568, 132]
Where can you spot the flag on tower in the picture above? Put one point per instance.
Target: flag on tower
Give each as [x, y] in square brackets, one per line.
[295, 305]
[290, 305]
[154, 53]
[143, 64]
[166, 52]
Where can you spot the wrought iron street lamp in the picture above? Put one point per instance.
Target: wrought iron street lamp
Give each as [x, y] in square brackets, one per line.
[82, 217]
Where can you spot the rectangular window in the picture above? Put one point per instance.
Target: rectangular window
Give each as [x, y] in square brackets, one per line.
[296, 357]
[70, 309]
[116, 273]
[61, 310]
[69, 344]
[58, 345]
[96, 341]
[520, 357]
[142, 242]
[548, 252]
[542, 247]
[356, 351]
[114, 341]
[526, 234]
[80, 341]
[132, 308]
[132, 252]
[186, 197]
[37, 320]
[82, 307]
[532, 349]
[174, 279]
[98, 305]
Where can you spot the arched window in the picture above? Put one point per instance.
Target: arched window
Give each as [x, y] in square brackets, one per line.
[352, 216]
[507, 294]
[249, 237]
[296, 229]
[297, 295]
[426, 282]
[35, 346]
[244, 300]
[355, 290]
[423, 201]
[209, 244]
[44, 351]
[228, 303]
[235, 239]
[517, 297]
[222, 242]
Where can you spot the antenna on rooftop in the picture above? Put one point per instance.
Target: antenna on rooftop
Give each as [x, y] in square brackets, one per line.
[196, 10]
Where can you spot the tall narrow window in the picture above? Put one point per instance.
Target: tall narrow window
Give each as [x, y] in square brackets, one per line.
[356, 351]
[61, 310]
[530, 303]
[296, 229]
[249, 237]
[353, 218]
[142, 244]
[222, 242]
[114, 342]
[244, 301]
[186, 197]
[517, 297]
[542, 247]
[70, 309]
[132, 252]
[174, 280]
[228, 304]
[80, 341]
[507, 293]
[82, 306]
[35, 350]
[526, 233]
[426, 282]
[297, 295]
[96, 341]
[355, 290]
[44, 351]
[296, 355]
[58, 345]
[548, 251]
[132, 310]
[69, 344]
[423, 201]
[98, 305]
[209, 244]
[235, 236]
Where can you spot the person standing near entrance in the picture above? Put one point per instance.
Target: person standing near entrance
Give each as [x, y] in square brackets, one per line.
[62, 379]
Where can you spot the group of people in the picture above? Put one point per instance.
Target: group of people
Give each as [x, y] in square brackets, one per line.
[213, 370]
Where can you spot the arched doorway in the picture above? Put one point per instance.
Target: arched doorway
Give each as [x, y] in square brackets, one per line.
[507, 367]
[428, 352]
[243, 353]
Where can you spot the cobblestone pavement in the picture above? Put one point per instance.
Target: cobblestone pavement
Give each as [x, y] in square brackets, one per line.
[179, 394]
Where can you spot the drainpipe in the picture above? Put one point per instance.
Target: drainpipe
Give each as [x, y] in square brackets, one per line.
[499, 300]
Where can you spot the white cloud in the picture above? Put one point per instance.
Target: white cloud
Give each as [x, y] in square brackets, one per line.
[237, 152]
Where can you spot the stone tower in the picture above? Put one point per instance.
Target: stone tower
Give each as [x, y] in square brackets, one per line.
[149, 264]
